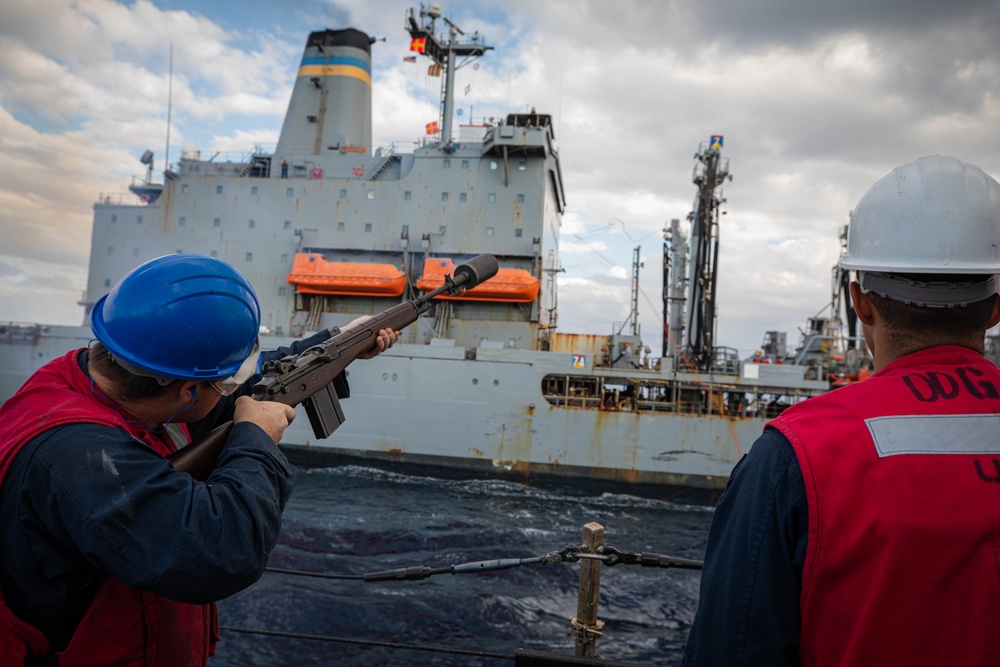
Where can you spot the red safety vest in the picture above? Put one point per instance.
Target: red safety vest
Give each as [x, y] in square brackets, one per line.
[902, 477]
[123, 626]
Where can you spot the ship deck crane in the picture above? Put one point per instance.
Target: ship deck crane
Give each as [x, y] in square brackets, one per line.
[699, 257]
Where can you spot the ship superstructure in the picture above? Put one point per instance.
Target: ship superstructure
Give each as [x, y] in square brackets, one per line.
[328, 228]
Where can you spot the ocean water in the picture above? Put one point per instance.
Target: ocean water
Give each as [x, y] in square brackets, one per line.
[353, 520]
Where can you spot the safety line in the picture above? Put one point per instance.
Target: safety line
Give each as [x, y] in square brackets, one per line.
[368, 642]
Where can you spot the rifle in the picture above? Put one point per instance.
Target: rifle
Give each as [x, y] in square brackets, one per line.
[307, 377]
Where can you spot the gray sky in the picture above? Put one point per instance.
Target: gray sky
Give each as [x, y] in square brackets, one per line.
[817, 101]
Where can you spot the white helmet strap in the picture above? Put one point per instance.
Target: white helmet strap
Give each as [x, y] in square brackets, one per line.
[941, 294]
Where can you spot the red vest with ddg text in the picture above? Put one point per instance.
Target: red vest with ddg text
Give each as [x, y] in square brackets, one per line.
[902, 477]
[123, 626]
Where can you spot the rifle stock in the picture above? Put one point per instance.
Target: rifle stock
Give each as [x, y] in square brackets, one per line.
[307, 377]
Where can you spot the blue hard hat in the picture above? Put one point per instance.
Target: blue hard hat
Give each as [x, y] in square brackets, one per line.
[182, 316]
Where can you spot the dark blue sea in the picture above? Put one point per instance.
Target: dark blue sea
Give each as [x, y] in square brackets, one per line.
[354, 520]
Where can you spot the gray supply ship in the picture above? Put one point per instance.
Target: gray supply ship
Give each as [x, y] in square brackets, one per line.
[327, 228]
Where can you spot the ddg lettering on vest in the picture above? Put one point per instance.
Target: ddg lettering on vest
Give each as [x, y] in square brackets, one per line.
[931, 386]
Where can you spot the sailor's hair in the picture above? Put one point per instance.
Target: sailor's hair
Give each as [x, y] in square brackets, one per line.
[128, 385]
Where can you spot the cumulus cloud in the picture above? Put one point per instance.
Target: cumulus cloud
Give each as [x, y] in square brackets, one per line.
[816, 100]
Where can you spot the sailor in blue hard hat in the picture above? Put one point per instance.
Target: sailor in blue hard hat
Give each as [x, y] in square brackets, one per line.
[110, 554]
[182, 321]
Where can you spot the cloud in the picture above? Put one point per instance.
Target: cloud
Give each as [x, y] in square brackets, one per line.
[816, 100]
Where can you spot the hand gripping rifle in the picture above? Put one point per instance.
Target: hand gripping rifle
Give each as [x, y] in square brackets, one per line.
[307, 378]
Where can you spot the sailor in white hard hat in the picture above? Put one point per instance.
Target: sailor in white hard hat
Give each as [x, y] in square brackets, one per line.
[863, 526]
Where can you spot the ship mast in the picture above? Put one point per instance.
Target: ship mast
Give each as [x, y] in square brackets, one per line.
[444, 54]
[633, 316]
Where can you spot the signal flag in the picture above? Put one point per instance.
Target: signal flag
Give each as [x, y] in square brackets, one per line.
[432, 127]
[418, 44]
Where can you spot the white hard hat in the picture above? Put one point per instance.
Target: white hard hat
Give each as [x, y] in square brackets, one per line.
[933, 215]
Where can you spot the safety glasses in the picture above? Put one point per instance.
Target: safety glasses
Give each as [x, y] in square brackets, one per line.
[228, 386]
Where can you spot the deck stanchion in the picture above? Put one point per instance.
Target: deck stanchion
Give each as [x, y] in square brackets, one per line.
[585, 625]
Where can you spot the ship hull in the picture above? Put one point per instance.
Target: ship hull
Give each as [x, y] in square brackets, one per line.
[456, 412]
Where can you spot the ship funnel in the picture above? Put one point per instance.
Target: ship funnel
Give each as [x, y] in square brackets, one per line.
[331, 105]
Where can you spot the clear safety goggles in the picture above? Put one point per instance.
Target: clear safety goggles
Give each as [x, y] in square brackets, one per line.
[228, 386]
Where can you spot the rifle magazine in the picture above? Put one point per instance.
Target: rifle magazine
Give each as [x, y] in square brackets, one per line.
[324, 411]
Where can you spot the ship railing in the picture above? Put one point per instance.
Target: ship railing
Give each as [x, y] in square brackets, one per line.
[118, 199]
[386, 151]
[629, 394]
[221, 157]
[20, 333]
[725, 360]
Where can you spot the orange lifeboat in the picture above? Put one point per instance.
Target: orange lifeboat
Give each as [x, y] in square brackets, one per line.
[312, 274]
[510, 285]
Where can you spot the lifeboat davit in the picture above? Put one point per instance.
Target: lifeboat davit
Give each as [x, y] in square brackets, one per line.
[510, 285]
[312, 274]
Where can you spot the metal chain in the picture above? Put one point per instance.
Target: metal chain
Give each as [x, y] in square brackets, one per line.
[610, 556]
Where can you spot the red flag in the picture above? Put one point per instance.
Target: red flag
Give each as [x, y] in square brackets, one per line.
[418, 44]
[431, 128]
